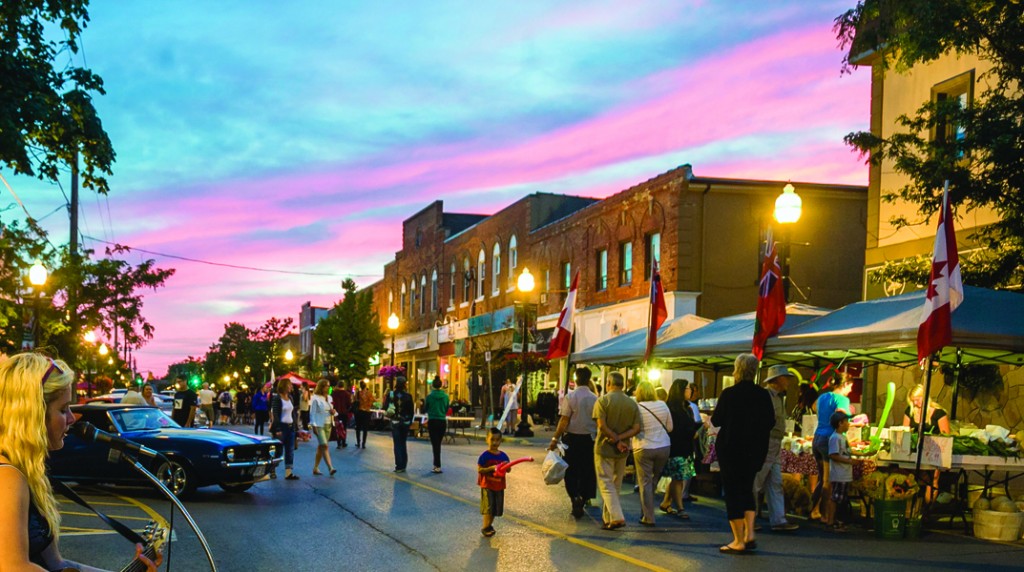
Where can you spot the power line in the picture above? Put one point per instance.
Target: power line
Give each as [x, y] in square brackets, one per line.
[238, 266]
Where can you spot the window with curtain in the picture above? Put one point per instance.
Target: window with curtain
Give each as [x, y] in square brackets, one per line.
[481, 272]
[513, 258]
[602, 269]
[496, 270]
[433, 291]
[451, 287]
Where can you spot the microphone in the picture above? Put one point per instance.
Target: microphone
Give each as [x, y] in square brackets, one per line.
[89, 432]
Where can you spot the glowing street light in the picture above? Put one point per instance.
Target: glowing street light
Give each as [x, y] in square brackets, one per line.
[393, 326]
[289, 355]
[525, 285]
[104, 350]
[788, 208]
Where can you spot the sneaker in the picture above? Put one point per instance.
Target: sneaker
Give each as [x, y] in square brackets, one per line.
[292, 477]
[399, 470]
[488, 532]
[785, 527]
[436, 470]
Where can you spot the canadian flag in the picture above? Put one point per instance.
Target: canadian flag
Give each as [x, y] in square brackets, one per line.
[771, 299]
[658, 311]
[563, 330]
[945, 287]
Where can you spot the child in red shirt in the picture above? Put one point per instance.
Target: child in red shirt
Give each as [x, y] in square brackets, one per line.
[492, 486]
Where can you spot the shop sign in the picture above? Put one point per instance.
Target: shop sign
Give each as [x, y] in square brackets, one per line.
[461, 329]
[480, 325]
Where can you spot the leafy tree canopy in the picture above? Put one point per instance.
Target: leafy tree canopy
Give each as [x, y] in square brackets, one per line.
[46, 112]
[350, 335]
[982, 160]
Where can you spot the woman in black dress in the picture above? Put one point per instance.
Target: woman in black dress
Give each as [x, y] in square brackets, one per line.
[745, 416]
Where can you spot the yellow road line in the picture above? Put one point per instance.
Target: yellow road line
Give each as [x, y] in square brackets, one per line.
[535, 526]
[154, 515]
[101, 503]
[119, 516]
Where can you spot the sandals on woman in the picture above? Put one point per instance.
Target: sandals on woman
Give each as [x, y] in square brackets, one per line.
[667, 509]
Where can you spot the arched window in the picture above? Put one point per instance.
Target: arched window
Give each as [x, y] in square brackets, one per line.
[433, 291]
[481, 272]
[423, 293]
[513, 259]
[412, 297]
[496, 269]
[391, 301]
[467, 279]
[401, 305]
[451, 287]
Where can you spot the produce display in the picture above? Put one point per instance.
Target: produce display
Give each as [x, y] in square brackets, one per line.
[993, 440]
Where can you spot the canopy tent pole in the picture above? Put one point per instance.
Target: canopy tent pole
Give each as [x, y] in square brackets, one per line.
[956, 382]
[924, 410]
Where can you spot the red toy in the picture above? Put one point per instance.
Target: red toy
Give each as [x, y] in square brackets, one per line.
[502, 468]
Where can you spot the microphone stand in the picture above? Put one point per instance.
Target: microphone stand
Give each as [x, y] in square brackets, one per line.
[174, 499]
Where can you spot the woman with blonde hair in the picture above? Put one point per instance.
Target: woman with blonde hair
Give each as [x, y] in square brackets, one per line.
[35, 400]
[651, 446]
[282, 425]
[320, 410]
[935, 418]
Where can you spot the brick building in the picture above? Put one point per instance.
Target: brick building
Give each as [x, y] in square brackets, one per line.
[453, 283]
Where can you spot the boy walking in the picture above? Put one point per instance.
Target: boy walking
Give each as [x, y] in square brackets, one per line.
[492, 486]
[840, 468]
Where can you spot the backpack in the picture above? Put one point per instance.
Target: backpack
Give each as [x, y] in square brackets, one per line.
[225, 399]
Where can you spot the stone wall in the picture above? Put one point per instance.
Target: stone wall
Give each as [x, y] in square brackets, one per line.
[1004, 407]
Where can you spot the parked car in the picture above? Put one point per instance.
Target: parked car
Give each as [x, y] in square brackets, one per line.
[115, 397]
[194, 457]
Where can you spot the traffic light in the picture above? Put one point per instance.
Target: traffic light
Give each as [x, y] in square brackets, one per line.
[195, 381]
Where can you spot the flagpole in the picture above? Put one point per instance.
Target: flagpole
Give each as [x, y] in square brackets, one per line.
[923, 411]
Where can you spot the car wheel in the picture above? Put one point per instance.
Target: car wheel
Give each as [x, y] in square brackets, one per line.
[178, 477]
[236, 488]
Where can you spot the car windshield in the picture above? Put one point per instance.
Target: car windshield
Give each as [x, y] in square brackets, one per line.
[142, 419]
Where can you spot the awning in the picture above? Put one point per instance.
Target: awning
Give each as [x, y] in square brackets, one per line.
[988, 327]
[717, 344]
[629, 348]
[295, 379]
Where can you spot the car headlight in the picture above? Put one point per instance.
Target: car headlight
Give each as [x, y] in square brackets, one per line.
[273, 451]
[230, 454]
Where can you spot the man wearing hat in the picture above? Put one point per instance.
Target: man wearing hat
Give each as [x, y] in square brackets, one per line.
[769, 479]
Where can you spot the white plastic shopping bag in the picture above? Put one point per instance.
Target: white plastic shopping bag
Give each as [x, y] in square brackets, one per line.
[554, 467]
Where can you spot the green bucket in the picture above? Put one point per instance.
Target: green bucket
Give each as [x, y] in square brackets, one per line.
[914, 528]
[890, 518]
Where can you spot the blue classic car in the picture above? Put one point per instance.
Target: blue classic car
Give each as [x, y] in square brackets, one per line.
[195, 457]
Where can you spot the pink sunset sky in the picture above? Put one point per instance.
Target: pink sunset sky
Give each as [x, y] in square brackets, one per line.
[298, 136]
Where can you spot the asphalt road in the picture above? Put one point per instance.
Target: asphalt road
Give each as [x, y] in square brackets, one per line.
[368, 518]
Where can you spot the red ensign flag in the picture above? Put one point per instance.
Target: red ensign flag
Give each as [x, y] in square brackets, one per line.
[658, 312]
[563, 331]
[945, 288]
[771, 299]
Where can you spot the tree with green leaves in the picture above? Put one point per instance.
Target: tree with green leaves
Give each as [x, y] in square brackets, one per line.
[350, 335]
[982, 161]
[191, 367]
[47, 115]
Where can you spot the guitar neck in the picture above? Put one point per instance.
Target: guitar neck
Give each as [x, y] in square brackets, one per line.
[137, 565]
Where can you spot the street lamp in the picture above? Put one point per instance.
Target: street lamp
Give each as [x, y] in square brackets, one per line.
[37, 277]
[525, 285]
[788, 208]
[393, 326]
[288, 355]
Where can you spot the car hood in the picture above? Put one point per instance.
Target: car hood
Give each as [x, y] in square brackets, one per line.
[222, 437]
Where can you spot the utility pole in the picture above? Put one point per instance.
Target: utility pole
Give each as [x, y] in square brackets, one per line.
[75, 262]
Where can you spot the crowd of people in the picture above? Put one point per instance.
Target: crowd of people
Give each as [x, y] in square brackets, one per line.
[600, 433]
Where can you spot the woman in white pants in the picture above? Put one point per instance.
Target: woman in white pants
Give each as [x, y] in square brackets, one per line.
[651, 446]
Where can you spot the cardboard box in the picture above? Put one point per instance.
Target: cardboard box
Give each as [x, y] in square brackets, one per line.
[899, 444]
[808, 424]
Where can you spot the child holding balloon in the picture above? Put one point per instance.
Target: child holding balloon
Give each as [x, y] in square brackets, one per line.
[491, 481]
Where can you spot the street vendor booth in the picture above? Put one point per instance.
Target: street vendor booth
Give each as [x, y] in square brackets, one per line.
[987, 328]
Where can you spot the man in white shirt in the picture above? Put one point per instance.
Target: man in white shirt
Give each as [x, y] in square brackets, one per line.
[206, 397]
[577, 429]
[133, 397]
